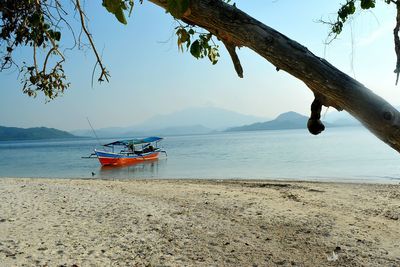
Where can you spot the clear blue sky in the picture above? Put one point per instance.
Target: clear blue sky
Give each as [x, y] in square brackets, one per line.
[150, 76]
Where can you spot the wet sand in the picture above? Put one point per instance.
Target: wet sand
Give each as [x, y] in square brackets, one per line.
[54, 222]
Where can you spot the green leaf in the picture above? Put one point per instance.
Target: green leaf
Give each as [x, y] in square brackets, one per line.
[112, 5]
[117, 8]
[195, 49]
[185, 36]
[366, 4]
[57, 36]
[121, 16]
[213, 55]
[337, 27]
[35, 19]
[351, 8]
[346, 10]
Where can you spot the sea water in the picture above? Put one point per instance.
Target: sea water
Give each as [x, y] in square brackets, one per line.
[338, 154]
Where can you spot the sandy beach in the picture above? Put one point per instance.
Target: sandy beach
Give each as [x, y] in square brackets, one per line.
[60, 222]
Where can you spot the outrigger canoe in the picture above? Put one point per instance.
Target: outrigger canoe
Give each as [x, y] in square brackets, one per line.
[126, 152]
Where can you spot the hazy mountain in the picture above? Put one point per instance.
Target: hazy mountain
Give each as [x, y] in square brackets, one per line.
[341, 118]
[181, 130]
[103, 132]
[209, 117]
[288, 120]
[187, 121]
[124, 132]
[14, 133]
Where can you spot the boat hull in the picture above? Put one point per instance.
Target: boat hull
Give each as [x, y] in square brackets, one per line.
[115, 159]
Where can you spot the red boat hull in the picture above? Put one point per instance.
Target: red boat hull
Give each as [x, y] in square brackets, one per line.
[111, 159]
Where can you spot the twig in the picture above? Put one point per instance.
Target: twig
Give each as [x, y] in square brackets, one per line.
[397, 42]
[104, 72]
[34, 58]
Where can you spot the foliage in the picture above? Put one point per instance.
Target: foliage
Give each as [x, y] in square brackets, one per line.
[36, 24]
[117, 7]
[201, 47]
[348, 9]
[199, 44]
[27, 23]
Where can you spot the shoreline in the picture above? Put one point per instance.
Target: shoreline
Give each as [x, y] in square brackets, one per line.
[199, 222]
[393, 181]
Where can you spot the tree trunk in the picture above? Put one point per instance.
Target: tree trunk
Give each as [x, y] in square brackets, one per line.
[330, 86]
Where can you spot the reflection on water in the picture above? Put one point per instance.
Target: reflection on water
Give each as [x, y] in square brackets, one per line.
[143, 169]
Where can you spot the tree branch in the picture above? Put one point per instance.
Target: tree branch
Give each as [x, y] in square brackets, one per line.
[104, 72]
[34, 58]
[234, 57]
[335, 88]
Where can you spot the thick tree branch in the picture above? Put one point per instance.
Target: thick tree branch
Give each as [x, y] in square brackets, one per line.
[335, 88]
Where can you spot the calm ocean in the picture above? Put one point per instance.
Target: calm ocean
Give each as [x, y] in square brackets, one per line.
[339, 154]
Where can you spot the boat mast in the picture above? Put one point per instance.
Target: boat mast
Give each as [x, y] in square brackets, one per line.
[98, 140]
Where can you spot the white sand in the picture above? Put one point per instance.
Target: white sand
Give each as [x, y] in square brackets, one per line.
[50, 222]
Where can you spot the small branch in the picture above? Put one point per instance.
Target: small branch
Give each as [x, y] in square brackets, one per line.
[53, 49]
[235, 58]
[34, 58]
[104, 72]
[397, 42]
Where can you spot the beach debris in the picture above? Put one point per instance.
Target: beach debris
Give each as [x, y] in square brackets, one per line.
[392, 214]
[315, 190]
[333, 257]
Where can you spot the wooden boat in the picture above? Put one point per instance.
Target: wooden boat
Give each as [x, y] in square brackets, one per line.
[126, 152]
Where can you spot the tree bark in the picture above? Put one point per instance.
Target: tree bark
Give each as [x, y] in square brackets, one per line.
[331, 86]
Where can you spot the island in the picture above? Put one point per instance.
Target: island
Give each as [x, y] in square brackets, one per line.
[36, 133]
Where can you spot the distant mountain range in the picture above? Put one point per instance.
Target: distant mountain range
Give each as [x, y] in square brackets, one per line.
[209, 119]
[200, 120]
[293, 120]
[288, 120]
[185, 122]
[14, 133]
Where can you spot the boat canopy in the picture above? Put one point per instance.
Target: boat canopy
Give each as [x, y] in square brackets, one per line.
[135, 141]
